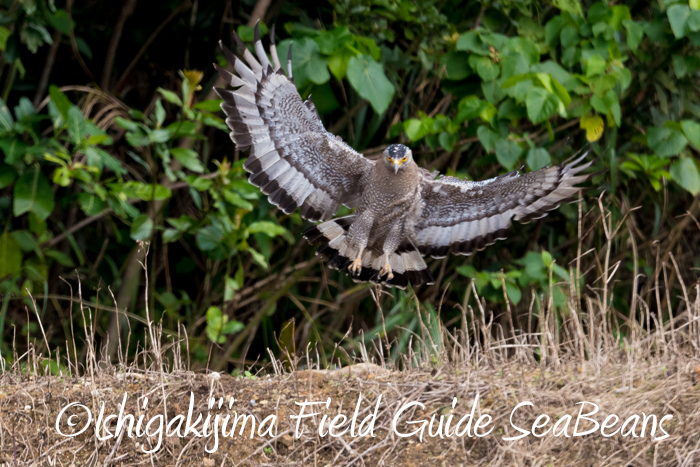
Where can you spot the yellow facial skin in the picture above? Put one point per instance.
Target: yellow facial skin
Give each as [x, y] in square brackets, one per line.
[397, 161]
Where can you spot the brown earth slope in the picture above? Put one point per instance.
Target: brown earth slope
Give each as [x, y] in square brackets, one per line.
[29, 408]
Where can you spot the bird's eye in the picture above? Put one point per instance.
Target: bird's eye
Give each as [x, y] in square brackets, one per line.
[404, 159]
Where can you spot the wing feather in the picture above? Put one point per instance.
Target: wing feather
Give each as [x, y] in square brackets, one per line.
[461, 216]
[293, 159]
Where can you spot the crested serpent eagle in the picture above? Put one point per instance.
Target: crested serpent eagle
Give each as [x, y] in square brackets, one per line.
[402, 211]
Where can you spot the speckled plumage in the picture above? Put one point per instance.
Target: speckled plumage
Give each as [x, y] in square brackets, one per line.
[402, 211]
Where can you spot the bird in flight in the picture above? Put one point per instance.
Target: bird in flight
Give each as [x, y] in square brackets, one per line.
[402, 212]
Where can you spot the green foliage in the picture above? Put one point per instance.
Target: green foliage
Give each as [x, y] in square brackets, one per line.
[315, 53]
[218, 325]
[531, 271]
[88, 175]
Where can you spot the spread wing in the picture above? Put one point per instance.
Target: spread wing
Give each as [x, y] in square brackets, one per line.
[461, 216]
[293, 159]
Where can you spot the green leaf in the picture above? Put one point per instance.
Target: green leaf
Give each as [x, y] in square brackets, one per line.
[680, 66]
[235, 199]
[415, 129]
[331, 41]
[323, 98]
[4, 35]
[61, 258]
[6, 120]
[247, 34]
[8, 174]
[666, 142]
[456, 65]
[510, 110]
[32, 193]
[467, 270]
[61, 20]
[188, 158]
[142, 227]
[215, 323]
[170, 97]
[212, 105]
[370, 82]
[137, 139]
[160, 112]
[678, 17]
[77, 125]
[635, 33]
[487, 137]
[570, 6]
[608, 104]
[90, 204]
[561, 93]
[513, 292]
[568, 37]
[512, 65]
[171, 235]
[541, 104]
[10, 255]
[14, 149]
[553, 29]
[56, 117]
[595, 65]
[523, 47]
[694, 21]
[230, 288]
[308, 65]
[159, 136]
[209, 238]
[338, 63]
[182, 223]
[472, 42]
[258, 258]
[232, 327]
[268, 228]
[367, 46]
[620, 13]
[487, 69]
[199, 183]
[691, 129]
[448, 140]
[127, 124]
[507, 153]
[469, 108]
[488, 112]
[99, 157]
[547, 259]
[61, 102]
[142, 191]
[686, 173]
[83, 47]
[538, 158]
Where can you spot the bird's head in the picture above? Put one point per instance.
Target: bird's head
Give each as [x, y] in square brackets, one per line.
[397, 156]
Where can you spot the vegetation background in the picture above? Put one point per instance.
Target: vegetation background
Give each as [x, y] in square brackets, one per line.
[111, 136]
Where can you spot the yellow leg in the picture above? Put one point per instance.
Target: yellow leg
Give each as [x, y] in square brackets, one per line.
[386, 270]
[356, 267]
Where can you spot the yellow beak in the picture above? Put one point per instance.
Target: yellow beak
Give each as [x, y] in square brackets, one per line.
[397, 164]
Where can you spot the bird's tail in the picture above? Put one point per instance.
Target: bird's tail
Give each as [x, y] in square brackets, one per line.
[406, 262]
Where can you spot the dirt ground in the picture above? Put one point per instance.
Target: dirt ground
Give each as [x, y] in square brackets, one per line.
[30, 406]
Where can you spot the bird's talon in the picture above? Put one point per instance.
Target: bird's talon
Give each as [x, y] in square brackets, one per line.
[386, 270]
[356, 267]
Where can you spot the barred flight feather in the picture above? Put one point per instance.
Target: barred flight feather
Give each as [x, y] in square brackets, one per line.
[461, 216]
